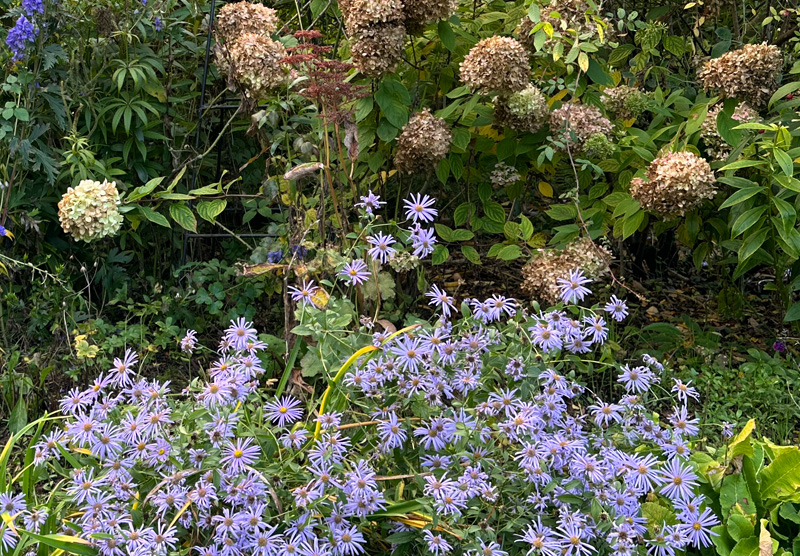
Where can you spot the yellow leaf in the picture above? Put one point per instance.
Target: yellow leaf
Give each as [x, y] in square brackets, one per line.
[583, 61]
[489, 131]
[740, 444]
[545, 189]
[180, 513]
[548, 29]
[558, 96]
[320, 298]
[600, 31]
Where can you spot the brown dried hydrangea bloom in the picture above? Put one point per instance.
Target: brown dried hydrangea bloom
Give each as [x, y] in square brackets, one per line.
[419, 12]
[360, 15]
[575, 123]
[540, 276]
[750, 73]
[378, 49]
[525, 110]
[496, 64]
[676, 183]
[423, 142]
[239, 18]
[256, 64]
[89, 211]
[624, 102]
[716, 146]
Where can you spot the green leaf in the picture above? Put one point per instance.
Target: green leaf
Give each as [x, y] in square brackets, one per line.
[746, 220]
[746, 547]
[153, 216]
[740, 196]
[741, 164]
[620, 54]
[781, 478]
[443, 170]
[461, 234]
[632, 223]
[739, 527]
[144, 190]
[447, 36]
[393, 98]
[509, 253]
[793, 313]
[494, 211]
[440, 254]
[752, 243]
[209, 210]
[784, 161]
[734, 491]
[562, 212]
[526, 227]
[19, 416]
[471, 254]
[697, 116]
[63, 542]
[182, 214]
[783, 91]
[673, 45]
[597, 74]
[444, 232]
[463, 213]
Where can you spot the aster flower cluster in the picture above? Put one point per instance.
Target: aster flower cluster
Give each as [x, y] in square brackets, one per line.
[676, 183]
[481, 406]
[383, 248]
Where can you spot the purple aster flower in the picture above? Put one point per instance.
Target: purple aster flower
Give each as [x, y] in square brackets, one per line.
[237, 455]
[606, 414]
[294, 439]
[420, 207]
[8, 538]
[304, 292]
[12, 504]
[348, 541]
[391, 432]
[698, 531]
[573, 289]
[240, 333]
[370, 202]
[436, 543]
[679, 480]
[596, 329]
[617, 308]
[284, 411]
[685, 391]
[573, 542]
[409, 353]
[643, 476]
[189, 342]
[315, 547]
[541, 540]
[489, 549]
[683, 423]
[163, 540]
[382, 249]
[121, 374]
[355, 271]
[727, 430]
[636, 380]
[545, 337]
[330, 420]
[422, 241]
[35, 518]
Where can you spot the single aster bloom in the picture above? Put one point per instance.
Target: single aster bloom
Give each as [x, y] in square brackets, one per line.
[284, 411]
[382, 249]
[436, 543]
[420, 207]
[439, 298]
[423, 241]
[304, 292]
[121, 374]
[698, 531]
[573, 289]
[370, 202]
[355, 271]
[189, 342]
[679, 480]
[240, 333]
[636, 380]
[617, 308]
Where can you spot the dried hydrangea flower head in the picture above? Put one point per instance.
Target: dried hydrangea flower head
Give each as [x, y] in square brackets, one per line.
[496, 64]
[256, 64]
[525, 110]
[419, 12]
[716, 146]
[89, 211]
[239, 18]
[378, 49]
[749, 74]
[676, 183]
[363, 14]
[574, 19]
[423, 142]
[540, 276]
[503, 175]
[624, 102]
[575, 123]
